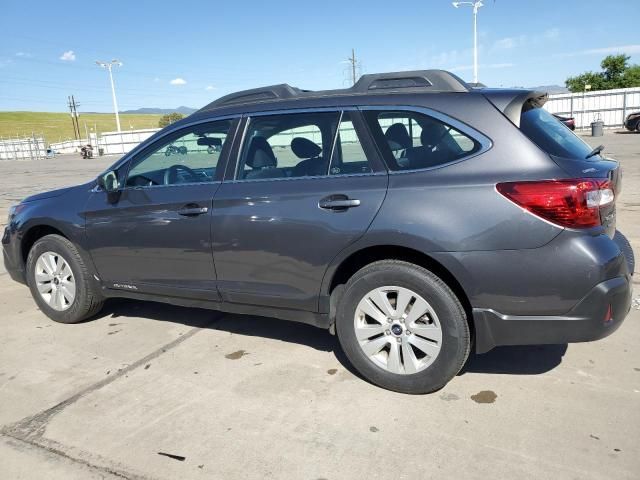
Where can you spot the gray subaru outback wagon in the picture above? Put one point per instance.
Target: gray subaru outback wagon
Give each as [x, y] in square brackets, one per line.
[413, 215]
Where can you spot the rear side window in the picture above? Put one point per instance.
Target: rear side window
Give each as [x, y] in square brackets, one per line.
[551, 135]
[412, 140]
[288, 145]
[291, 145]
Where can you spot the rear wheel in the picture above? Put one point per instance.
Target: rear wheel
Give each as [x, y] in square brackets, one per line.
[402, 327]
[60, 282]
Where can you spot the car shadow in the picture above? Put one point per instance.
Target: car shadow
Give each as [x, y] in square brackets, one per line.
[247, 325]
[515, 360]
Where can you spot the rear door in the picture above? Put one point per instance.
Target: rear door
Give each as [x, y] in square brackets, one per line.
[305, 186]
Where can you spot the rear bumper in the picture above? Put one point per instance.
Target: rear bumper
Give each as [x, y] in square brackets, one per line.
[584, 323]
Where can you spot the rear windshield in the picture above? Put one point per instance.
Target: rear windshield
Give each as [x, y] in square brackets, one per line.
[551, 135]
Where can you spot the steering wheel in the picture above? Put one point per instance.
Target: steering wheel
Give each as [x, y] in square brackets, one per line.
[172, 175]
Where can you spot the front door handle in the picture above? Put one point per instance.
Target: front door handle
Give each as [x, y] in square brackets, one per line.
[192, 210]
[338, 202]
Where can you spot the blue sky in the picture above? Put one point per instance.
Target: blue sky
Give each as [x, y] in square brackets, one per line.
[191, 52]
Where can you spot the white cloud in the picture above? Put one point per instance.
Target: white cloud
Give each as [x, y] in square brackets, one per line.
[209, 87]
[178, 81]
[450, 57]
[23, 54]
[156, 79]
[461, 68]
[68, 56]
[508, 43]
[628, 49]
[551, 34]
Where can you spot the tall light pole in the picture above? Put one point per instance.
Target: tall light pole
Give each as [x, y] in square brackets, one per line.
[476, 4]
[108, 66]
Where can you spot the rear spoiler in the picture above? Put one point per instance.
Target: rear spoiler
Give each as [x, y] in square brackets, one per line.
[513, 102]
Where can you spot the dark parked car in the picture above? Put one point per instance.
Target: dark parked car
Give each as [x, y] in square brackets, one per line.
[570, 122]
[632, 123]
[411, 215]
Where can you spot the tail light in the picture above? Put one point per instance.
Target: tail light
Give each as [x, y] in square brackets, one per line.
[571, 203]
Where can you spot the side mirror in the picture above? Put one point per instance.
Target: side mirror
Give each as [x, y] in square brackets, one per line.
[109, 182]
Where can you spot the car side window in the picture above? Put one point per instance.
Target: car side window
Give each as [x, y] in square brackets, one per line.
[348, 155]
[412, 140]
[287, 145]
[187, 156]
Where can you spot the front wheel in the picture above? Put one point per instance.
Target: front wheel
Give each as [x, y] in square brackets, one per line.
[402, 327]
[60, 282]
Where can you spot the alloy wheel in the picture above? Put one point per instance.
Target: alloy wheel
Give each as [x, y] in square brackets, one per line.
[55, 281]
[398, 330]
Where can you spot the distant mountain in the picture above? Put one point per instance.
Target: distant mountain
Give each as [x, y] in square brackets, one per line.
[162, 111]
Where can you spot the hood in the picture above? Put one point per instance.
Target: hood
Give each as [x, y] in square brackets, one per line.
[49, 194]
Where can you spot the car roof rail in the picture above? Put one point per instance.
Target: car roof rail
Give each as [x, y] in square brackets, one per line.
[420, 80]
[262, 94]
[430, 80]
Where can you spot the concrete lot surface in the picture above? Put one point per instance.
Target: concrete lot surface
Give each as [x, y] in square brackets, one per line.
[150, 391]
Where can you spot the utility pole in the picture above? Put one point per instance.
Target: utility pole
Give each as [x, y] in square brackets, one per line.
[74, 116]
[108, 66]
[354, 63]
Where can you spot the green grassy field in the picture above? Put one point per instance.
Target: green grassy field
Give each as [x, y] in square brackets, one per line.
[57, 126]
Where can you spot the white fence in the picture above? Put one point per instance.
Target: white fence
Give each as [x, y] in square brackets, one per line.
[22, 148]
[117, 143]
[610, 106]
[69, 146]
[111, 143]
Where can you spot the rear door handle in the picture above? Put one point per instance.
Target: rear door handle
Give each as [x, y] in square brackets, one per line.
[192, 210]
[338, 202]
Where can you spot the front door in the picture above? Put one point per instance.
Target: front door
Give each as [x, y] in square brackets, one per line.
[155, 236]
[305, 187]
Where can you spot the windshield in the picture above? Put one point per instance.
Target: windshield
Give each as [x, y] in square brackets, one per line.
[551, 135]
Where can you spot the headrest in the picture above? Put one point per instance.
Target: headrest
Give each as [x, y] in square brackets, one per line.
[305, 148]
[260, 154]
[398, 137]
[432, 133]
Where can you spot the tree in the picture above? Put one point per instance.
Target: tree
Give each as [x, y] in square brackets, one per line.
[616, 73]
[169, 118]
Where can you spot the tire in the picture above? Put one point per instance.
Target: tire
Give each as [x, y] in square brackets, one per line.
[403, 280]
[56, 249]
